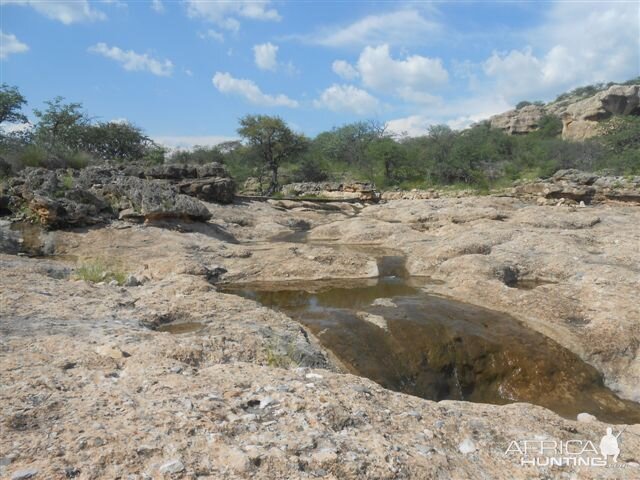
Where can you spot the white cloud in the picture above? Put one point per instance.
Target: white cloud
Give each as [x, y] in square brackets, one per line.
[67, 12]
[410, 79]
[224, 14]
[404, 27]
[187, 142]
[412, 126]
[265, 56]
[347, 98]
[211, 33]
[9, 45]
[227, 84]
[344, 70]
[157, 6]
[578, 44]
[133, 61]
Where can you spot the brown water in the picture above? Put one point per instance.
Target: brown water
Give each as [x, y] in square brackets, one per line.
[180, 328]
[438, 348]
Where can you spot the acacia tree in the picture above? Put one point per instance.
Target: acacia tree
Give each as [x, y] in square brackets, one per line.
[11, 103]
[60, 125]
[274, 141]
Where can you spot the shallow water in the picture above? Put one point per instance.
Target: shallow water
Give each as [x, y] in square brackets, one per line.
[438, 348]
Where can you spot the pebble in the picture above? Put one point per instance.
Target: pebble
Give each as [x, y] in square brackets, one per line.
[586, 418]
[24, 474]
[265, 402]
[313, 375]
[467, 446]
[172, 466]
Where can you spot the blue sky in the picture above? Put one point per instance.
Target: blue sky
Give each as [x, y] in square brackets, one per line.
[185, 71]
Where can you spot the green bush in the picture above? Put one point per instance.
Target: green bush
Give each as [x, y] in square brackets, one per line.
[97, 271]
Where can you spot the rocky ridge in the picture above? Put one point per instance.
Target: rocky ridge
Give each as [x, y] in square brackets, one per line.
[580, 117]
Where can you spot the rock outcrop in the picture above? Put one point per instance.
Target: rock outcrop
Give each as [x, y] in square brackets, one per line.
[580, 120]
[580, 117]
[362, 191]
[518, 122]
[574, 186]
[68, 198]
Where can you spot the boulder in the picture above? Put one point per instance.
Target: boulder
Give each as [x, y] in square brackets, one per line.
[154, 199]
[210, 189]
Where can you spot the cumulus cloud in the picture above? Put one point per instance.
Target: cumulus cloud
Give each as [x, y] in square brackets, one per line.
[577, 44]
[67, 12]
[381, 72]
[344, 70]
[9, 45]
[157, 6]
[133, 61]
[347, 98]
[247, 89]
[187, 142]
[403, 27]
[211, 33]
[265, 56]
[225, 14]
[411, 126]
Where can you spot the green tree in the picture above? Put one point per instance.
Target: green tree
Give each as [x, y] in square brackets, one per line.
[113, 141]
[11, 103]
[60, 126]
[274, 141]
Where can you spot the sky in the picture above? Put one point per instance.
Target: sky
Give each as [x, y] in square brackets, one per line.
[186, 71]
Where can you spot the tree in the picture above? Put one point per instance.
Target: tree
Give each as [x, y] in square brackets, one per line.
[11, 103]
[114, 141]
[274, 141]
[60, 126]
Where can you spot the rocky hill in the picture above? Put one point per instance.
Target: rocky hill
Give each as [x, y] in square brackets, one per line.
[580, 116]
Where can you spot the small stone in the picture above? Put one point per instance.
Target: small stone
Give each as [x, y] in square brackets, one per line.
[586, 418]
[24, 474]
[113, 283]
[172, 466]
[110, 351]
[313, 375]
[384, 302]
[265, 402]
[132, 281]
[467, 446]
[71, 472]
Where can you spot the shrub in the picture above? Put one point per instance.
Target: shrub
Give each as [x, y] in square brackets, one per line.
[97, 271]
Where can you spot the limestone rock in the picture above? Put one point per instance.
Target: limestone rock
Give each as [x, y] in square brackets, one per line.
[172, 466]
[581, 120]
[517, 122]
